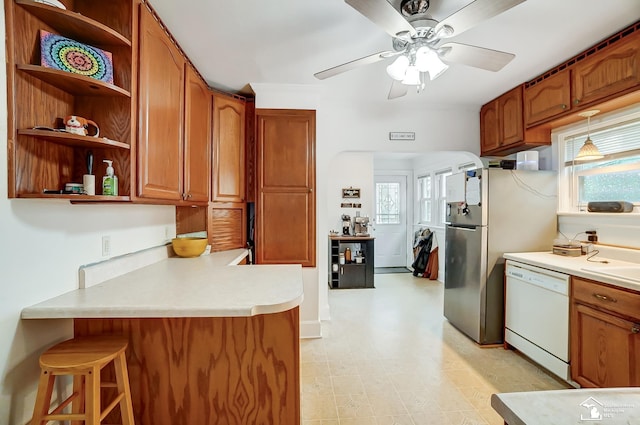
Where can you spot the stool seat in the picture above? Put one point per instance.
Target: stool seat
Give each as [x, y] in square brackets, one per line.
[84, 359]
[83, 352]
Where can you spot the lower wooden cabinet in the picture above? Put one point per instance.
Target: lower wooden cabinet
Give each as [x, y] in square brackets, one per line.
[605, 335]
[227, 225]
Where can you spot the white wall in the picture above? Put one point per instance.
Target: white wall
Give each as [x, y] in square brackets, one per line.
[44, 242]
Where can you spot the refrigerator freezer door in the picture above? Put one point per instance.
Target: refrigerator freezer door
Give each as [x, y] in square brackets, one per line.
[465, 280]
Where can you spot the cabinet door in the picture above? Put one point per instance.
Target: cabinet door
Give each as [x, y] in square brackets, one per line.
[227, 225]
[285, 210]
[547, 98]
[511, 117]
[161, 97]
[605, 349]
[229, 149]
[197, 138]
[608, 72]
[489, 127]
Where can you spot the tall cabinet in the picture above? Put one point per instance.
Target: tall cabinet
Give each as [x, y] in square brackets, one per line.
[41, 162]
[286, 200]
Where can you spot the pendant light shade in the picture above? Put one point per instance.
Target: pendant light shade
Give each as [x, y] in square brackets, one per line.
[588, 151]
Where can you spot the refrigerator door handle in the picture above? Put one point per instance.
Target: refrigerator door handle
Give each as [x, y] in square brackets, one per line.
[466, 229]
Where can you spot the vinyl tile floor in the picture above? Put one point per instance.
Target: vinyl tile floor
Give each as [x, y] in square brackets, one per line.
[388, 356]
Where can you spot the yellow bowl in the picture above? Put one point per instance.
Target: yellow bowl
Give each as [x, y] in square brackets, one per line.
[189, 247]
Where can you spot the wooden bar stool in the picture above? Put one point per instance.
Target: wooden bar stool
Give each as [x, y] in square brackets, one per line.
[83, 358]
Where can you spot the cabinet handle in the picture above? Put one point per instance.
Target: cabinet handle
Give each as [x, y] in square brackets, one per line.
[605, 298]
[310, 190]
[576, 101]
[189, 195]
[563, 106]
[635, 329]
[342, 271]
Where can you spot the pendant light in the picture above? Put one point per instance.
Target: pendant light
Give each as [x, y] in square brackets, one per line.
[588, 151]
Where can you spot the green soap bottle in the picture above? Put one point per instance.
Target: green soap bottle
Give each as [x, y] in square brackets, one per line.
[110, 181]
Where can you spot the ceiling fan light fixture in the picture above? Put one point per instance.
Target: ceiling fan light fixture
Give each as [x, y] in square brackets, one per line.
[398, 68]
[412, 7]
[427, 60]
[412, 76]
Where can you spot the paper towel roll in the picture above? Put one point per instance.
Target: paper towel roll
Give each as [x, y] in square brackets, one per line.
[89, 182]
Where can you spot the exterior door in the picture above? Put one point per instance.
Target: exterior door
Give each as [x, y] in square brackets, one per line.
[391, 221]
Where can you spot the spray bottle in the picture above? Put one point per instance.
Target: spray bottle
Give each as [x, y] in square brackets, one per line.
[109, 181]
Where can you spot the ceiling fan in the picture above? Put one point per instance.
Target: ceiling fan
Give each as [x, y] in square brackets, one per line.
[418, 41]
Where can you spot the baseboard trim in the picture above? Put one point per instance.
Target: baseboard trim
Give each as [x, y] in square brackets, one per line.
[310, 329]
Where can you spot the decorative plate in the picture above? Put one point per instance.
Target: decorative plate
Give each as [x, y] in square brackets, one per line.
[72, 56]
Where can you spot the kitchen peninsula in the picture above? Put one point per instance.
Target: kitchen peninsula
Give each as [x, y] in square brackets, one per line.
[209, 342]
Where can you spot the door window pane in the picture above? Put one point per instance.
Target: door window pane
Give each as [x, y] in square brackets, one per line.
[388, 203]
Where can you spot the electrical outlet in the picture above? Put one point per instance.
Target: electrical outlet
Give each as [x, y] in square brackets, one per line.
[106, 246]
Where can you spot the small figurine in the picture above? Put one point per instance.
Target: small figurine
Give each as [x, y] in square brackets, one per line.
[79, 125]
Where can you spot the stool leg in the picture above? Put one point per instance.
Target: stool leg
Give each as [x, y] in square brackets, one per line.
[43, 398]
[122, 380]
[78, 405]
[92, 397]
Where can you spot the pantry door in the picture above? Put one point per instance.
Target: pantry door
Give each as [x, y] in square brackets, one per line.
[391, 221]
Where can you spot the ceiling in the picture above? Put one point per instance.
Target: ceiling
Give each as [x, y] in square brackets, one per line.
[237, 42]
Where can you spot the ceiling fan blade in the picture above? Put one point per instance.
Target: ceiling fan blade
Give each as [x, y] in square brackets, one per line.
[471, 15]
[397, 90]
[367, 60]
[479, 57]
[383, 14]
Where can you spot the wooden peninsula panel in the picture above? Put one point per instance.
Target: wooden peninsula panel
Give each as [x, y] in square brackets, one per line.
[206, 371]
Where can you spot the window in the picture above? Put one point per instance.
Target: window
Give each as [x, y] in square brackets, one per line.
[424, 199]
[616, 177]
[441, 182]
[388, 203]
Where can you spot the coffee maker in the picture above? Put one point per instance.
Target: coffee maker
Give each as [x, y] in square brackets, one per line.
[346, 225]
[361, 226]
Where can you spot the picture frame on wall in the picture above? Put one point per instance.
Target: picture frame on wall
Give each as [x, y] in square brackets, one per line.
[351, 193]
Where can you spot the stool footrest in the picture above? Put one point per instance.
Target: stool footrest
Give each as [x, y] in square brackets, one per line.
[66, 417]
[110, 407]
[65, 403]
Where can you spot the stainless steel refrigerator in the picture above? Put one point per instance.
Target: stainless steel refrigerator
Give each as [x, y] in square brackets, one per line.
[490, 212]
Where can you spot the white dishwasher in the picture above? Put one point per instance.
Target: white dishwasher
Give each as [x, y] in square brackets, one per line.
[537, 315]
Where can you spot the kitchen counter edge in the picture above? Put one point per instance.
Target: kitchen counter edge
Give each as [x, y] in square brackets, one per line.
[207, 286]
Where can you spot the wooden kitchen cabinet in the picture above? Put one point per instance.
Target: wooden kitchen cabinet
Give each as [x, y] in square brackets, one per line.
[502, 129]
[161, 103]
[547, 99]
[38, 159]
[227, 225]
[197, 139]
[489, 127]
[605, 335]
[609, 72]
[286, 202]
[228, 149]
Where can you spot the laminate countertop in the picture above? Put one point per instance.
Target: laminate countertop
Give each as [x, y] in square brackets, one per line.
[567, 407]
[205, 286]
[621, 268]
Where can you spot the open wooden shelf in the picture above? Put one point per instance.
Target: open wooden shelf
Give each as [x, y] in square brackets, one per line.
[75, 84]
[74, 25]
[79, 198]
[64, 138]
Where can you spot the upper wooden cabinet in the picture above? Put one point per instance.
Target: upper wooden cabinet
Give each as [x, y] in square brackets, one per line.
[548, 98]
[489, 127]
[161, 105]
[286, 204]
[610, 72]
[197, 139]
[605, 76]
[502, 126]
[40, 159]
[605, 335]
[228, 149]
